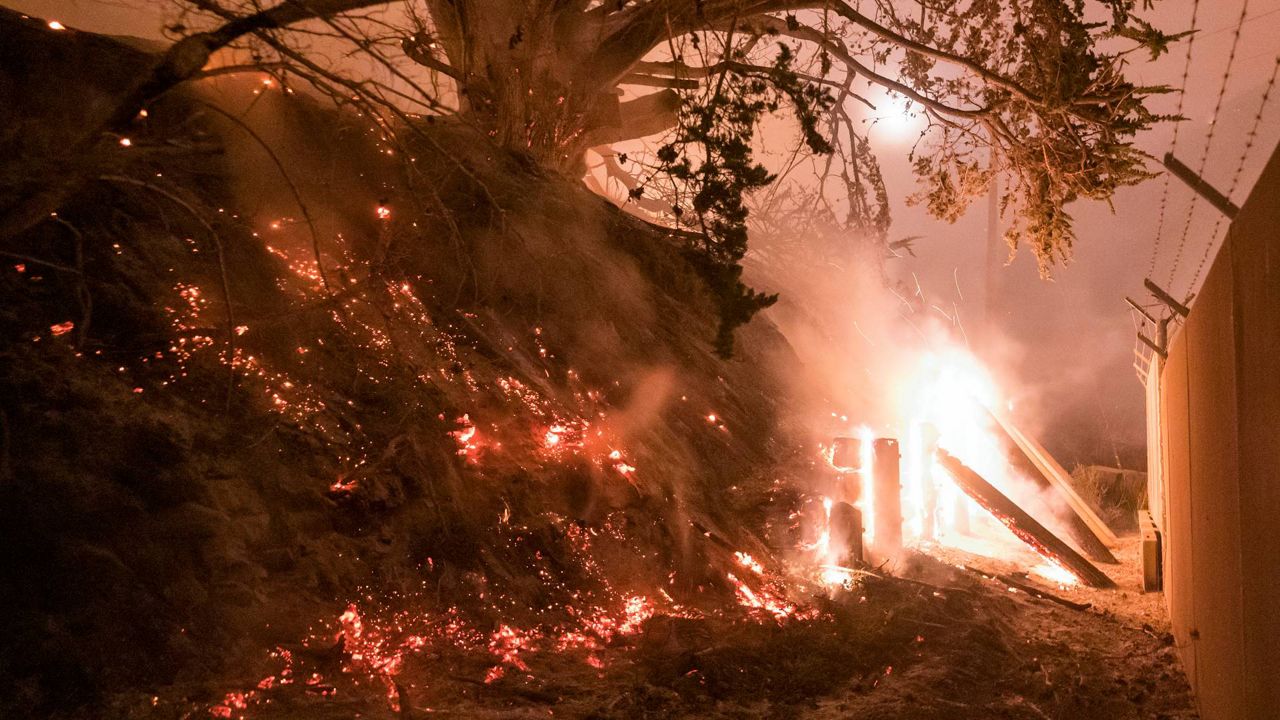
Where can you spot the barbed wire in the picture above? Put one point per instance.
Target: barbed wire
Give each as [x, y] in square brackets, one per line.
[1235, 176]
[1208, 143]
[1173, 145]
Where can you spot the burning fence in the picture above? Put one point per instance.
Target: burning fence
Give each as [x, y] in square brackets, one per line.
[963, 476]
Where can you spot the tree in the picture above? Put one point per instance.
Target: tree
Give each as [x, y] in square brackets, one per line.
[1032, 89]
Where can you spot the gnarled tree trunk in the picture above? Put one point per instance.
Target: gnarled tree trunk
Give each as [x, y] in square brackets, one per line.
[541, 77]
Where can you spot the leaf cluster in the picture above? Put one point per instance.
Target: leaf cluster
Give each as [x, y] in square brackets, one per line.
[710, 155]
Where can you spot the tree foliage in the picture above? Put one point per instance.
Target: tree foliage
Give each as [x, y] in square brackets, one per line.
[1033, 90]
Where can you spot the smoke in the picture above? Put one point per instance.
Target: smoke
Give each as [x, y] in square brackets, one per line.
[884, 359]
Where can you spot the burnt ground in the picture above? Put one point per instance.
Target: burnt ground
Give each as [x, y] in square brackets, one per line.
[474, 453]
[957, 645]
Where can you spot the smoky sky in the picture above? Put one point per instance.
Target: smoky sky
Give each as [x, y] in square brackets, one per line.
[1072, 338]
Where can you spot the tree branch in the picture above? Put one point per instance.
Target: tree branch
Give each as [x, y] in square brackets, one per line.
[643, 116]
[838, 49]
[418, 51]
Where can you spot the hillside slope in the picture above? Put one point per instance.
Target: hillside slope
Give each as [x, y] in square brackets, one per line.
[212, 440]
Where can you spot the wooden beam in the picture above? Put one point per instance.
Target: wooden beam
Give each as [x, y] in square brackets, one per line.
[1166, 298]
[1021, 524]
[886, 479]
[1141, 310]
[1152, 577]
[1154, 347]
[1057, 475]
[1202, 186]
[1066, 521]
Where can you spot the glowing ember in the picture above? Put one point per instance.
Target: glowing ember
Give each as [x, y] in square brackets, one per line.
[1055, 573]
[465, 437]
[507, 643]
[343, 486]
[552, 436]
[55, 25]
[749, 562]
[62, 328]
[765, 600]
[837, 576]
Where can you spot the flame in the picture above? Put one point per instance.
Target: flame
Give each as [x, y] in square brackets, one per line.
[940, 401]
[866, 503]
[764, 599]
[749, 563]
[465, 437]
[1055, 573]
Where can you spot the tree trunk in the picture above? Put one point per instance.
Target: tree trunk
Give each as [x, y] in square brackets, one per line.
[523, 75]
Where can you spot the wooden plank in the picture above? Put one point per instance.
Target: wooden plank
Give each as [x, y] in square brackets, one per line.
[1076, 529]
[1202, 186]
[1034, 591]
[1150, 548]
[1025, 527]
[886, 477]
[1056, 474]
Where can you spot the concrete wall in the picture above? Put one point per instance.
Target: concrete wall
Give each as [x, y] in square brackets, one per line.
[1219, 430]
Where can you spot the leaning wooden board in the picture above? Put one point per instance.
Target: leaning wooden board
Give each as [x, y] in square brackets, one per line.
[1069, 521]
[1021, 524]
[1056, 474]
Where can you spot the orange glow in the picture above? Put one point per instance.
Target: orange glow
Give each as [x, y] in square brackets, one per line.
[939, 401]
[1055, 573]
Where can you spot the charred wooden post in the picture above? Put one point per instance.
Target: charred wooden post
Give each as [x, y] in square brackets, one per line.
[887, 495]
[1022, 524]
[846, 453]
[846, 533]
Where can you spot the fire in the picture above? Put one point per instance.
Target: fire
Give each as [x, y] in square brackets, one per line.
[749, 563]
[552, 437]
[837, 576]
[866, 503]
[765, 600]
[465, 437]
[1055, 573]
[939, 402]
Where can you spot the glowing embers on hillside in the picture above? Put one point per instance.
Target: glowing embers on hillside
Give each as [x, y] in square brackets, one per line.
[374, 648]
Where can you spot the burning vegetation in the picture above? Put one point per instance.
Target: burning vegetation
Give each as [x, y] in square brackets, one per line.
[306, 418]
